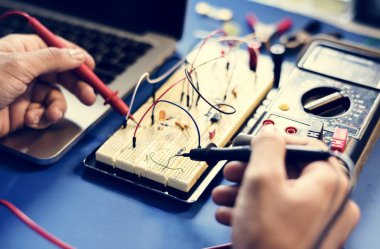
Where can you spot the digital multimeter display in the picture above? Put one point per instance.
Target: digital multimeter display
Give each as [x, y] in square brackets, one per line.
[345, 66]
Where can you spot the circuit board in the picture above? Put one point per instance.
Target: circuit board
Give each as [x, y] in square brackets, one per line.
[157, 144]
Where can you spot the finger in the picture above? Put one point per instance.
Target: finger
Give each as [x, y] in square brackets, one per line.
[267, 163]
[294, 166]
[35, 118]
[234, 171]
[224, 215]
[4, 122]
[89, 60]
[18, 108]
[343, 227]
[53, 99]
[321, 179]
[48, 60]
[48, 108]
[225, 195]
[84, 92]
[27, 42]
[16, 43]
[297, 140]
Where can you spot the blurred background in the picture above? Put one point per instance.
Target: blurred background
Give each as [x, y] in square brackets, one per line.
[360, 16]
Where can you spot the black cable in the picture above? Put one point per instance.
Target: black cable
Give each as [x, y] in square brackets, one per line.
[351, 174]
[188, 76]
[193, 92]
[333, 220]
[198, 87]
[182, 92]
[228, 80]
[153, 100]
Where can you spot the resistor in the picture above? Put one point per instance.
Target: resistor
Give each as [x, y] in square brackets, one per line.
[181, 126]
[234, 92]
[162, 115]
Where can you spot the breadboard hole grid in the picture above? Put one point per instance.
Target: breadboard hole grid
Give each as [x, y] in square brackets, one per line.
[154, 156]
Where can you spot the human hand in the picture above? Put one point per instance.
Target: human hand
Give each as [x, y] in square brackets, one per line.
[29, 72]
[269, 210]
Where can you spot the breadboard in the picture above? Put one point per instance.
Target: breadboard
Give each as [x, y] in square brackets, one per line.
[158, 143]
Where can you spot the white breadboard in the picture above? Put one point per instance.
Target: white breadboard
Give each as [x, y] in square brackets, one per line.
[158, 143]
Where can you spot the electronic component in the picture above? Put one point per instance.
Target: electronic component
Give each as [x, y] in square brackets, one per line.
[234, 92]
[215, 117]
[181, 126]
[162, 115]
[211, 134]
[315, 129]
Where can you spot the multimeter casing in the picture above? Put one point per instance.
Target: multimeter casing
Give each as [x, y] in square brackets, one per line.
[324, 67]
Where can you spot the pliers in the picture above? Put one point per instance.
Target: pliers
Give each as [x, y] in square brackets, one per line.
[264, 32]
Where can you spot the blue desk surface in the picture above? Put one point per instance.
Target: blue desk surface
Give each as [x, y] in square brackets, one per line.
[89, 210]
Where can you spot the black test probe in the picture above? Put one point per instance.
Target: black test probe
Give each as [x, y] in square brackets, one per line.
[241, 151]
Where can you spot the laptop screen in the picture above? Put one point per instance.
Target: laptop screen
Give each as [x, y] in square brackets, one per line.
[162, 16]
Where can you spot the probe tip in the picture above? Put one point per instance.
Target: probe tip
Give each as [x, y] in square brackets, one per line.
[184, 155]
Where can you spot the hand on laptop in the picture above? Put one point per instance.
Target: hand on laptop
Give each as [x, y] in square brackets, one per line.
[269, 210]
[29, 71]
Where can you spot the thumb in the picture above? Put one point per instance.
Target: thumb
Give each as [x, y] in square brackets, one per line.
[267, 163]
[49, 60]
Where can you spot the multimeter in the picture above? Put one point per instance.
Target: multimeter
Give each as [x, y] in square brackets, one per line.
[331, 95]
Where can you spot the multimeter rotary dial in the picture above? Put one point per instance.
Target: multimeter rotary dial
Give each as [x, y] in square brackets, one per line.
[326, 102]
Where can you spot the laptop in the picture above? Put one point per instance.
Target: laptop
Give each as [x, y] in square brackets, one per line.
[126, 38]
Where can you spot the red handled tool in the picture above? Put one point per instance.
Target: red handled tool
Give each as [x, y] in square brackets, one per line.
[264, 32]
[84, 72]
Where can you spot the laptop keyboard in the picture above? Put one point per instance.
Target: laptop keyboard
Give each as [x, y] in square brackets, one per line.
[113, 54]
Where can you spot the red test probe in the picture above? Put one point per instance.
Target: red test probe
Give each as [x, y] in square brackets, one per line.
[84, 72]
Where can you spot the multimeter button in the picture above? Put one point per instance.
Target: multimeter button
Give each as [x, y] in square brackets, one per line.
[284, 107]
[266, 102]
[339, 139]
[315, 129]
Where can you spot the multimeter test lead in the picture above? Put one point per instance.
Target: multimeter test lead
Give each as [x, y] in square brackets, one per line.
[242, 152]
[84, 72]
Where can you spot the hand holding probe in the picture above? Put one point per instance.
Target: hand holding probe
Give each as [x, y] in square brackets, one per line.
[84, 72]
